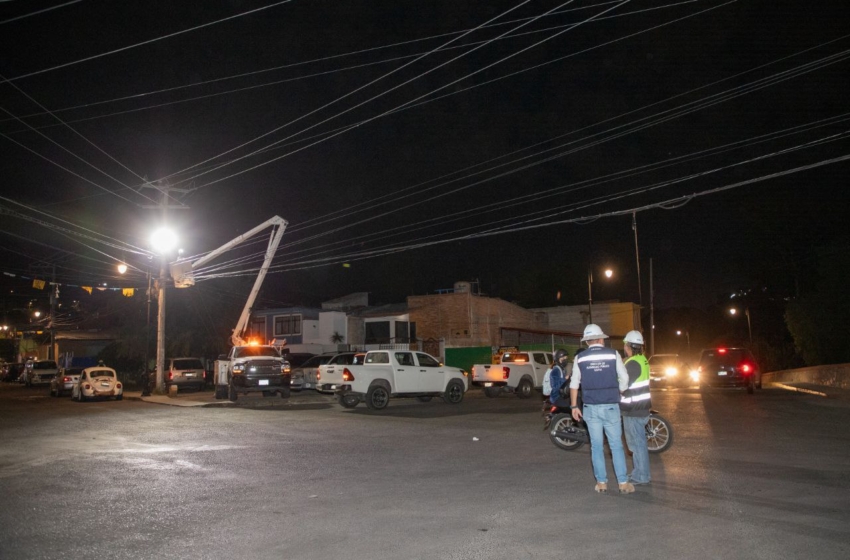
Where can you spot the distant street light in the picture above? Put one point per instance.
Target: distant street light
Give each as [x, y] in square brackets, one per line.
[687, 336]
[733, 311]
[122, 268]
[608, 274]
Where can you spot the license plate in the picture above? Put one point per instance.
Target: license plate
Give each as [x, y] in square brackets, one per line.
[189, 374]
[102, 384]
[308, 385]
[721, 373]
[264, 381]
[488, 384]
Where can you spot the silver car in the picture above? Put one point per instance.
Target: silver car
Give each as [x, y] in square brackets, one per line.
[65, 381]
[41, 372]
[304, 376]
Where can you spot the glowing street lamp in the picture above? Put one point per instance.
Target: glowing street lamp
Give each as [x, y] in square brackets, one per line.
[122, 268]
[733, 311]
[608, 274]
[687, 336]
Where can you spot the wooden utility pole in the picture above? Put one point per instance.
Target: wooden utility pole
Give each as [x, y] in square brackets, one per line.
[165, 189]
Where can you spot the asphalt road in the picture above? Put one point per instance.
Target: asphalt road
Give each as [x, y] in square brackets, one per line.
[761, 476]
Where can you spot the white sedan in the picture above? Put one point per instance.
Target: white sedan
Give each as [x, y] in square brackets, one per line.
[98, 381]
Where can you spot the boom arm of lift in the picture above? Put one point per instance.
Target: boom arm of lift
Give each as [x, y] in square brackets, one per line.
[183, 272]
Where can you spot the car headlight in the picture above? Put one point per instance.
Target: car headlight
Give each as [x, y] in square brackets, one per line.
[671, 371]
[694, 375]
[238, 368]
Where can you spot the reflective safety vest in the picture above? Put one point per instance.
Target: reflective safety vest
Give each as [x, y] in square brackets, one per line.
[598, 367]
[636, 398]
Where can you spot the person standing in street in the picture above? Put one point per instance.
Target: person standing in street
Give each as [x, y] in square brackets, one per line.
[559, 375]
[601, 374]
[635, 405]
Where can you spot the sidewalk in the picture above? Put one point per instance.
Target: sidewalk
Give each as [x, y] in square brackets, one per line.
[207, 398]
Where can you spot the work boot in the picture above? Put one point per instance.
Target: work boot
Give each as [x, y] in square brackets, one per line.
[627, 488]
[602, 487]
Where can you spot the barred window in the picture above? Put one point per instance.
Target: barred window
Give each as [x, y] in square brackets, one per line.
[287, 325]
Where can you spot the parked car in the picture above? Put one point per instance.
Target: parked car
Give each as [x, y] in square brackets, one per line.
[337, 362]
[97, 382]
[669, 370]
[729, 367]
[40, 372]
[184, 373]
[12, 371]
[305, 376]
[65, 381]
[296, 359]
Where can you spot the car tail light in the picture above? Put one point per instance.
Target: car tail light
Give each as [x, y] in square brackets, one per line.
[506, 372]
[66, 379]
[117, 385]
[170, 375]
[347, 375]
[86, 386]
[746, 369]
[318, 374]
[721, 350]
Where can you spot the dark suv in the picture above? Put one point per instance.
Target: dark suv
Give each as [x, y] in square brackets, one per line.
[729, 367]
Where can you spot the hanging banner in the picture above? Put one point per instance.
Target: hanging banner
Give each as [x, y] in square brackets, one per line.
[86, 288]
[128, 292]
[38, 284]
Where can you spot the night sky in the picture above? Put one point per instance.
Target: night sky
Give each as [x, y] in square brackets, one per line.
[391, 146]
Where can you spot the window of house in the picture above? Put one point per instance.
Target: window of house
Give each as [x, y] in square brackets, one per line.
[287, 325]
[402, 331]
[377, 332]
[258, 327]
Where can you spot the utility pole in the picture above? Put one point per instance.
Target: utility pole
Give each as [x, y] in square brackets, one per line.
[637, 257]
[651, 312]
[165, 189]
[54, 293]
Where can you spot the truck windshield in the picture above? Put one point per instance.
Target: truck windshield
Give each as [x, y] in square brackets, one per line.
[249, 351]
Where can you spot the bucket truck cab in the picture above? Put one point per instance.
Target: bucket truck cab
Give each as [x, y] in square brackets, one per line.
[252, 369]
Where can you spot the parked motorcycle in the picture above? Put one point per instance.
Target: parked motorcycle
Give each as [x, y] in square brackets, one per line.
[567, 434]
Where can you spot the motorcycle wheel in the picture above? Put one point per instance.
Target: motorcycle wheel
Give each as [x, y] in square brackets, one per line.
[659, 434]
[561, 422]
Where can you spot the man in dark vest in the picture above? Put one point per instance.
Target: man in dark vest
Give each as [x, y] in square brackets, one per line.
[601, 374]
[635, 405]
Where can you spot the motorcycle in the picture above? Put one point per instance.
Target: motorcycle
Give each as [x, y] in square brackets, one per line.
[567, 434]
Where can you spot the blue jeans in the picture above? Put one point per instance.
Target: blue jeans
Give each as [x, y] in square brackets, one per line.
[605, 418]
[635, 427]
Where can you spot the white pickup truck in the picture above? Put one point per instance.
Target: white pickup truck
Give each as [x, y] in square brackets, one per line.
[394, 373]
[517, 372]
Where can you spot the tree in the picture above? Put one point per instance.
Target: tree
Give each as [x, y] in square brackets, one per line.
[818, 320]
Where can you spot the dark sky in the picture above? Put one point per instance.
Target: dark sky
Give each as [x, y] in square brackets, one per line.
[631, 110]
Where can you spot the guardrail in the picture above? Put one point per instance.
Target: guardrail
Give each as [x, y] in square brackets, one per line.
[835, 375]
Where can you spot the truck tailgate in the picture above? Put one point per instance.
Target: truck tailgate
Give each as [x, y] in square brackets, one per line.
[487, 372]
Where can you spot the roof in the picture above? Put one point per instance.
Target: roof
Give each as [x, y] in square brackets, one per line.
[86, 335]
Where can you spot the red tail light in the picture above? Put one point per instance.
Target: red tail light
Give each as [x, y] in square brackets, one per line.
[117, 385]
[170, 375]
[746, 369]
[347, 375]
[86, 386]
[318, 374]
[506, 372]
[66, 379]
[721, 350]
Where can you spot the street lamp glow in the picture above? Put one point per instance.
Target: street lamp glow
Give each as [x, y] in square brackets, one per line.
[37, 314]
[733, 311]
[163, 240]
[609, 273]
[122, 268]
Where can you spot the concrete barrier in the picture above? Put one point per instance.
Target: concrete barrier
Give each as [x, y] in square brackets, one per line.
[835, 375]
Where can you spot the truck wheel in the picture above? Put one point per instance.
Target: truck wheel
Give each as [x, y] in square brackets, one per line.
[377, 398]
[523, 390]
[348, 401]
[454, 392]
[492, 392]
[423, 399]
[221, 392]
[231, 392]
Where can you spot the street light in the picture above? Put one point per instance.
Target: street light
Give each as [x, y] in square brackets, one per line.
[733, 311]
[162, 240]
[687, 336]
[608, 274]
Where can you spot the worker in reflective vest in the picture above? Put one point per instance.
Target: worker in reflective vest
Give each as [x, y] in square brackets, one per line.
[635, 405]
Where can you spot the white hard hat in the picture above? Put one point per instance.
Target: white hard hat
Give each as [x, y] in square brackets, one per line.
[634, 337]
[592, 332]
